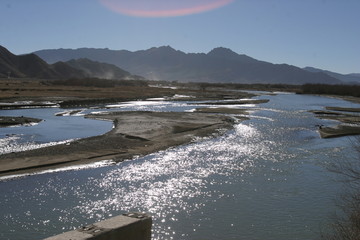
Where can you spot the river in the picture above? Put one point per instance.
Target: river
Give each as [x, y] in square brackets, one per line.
[266, 179]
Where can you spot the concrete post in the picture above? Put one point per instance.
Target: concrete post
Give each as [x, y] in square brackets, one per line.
[130, 226]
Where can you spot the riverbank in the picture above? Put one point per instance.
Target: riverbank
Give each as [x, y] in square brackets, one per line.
[134, 133]
[32, 93]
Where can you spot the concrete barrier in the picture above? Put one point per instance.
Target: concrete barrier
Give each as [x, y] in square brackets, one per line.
[130, 226]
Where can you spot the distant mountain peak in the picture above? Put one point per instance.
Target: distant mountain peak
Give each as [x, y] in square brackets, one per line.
[167, 47]
[163, 49]
[222, 50]
[226, 53]
[312, 69]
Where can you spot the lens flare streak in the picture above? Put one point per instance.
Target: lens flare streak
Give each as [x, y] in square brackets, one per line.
[163, 8]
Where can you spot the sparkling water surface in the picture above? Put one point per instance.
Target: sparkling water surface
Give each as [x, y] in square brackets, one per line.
[265, 179]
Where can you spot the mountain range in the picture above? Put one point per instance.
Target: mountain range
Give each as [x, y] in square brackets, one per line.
[32, 66]
[219, 65]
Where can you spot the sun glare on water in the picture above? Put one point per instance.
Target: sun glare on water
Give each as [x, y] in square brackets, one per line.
[162, 8]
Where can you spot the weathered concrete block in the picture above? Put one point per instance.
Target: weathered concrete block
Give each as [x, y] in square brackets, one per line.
[130, 226]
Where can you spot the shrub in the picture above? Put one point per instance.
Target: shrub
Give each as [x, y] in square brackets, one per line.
[96, 82]
[343, 90]
[347, 225]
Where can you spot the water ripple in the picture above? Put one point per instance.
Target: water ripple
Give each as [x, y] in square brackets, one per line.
[228, 187]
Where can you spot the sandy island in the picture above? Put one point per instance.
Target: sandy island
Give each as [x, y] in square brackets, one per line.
[134, 133]
[349, 122]
[14, 121]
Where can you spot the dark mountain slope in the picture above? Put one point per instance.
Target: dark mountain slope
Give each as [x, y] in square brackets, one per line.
[8, 64]
[32, 66]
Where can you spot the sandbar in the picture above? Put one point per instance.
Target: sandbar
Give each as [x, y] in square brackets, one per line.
[237, 102]
[6, 121]
[349, 121]
[222, 110]
[134, 134]
[339, 131]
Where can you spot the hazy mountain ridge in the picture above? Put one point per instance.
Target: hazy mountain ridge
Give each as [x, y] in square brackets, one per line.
[101, 70]
[219, 65]
[352, 78]
[32, 66]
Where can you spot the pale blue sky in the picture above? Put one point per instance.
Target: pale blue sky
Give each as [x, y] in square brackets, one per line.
[318, 33]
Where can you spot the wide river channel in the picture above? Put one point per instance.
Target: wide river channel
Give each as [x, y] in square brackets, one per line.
[266, 179]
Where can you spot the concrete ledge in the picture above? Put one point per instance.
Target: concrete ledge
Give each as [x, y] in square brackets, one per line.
[130, 226]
